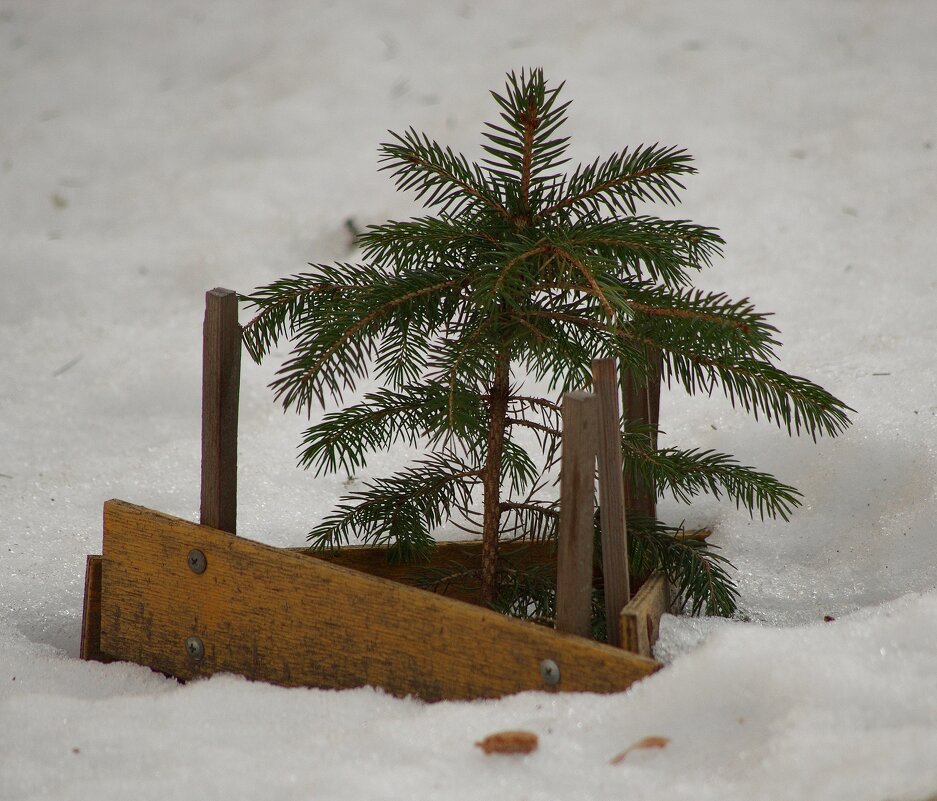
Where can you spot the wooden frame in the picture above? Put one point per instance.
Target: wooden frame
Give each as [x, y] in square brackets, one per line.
[192, 599]
[288, 618]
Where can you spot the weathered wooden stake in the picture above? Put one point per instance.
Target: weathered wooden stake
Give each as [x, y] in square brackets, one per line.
[641, 405]
[611, 496]
[221, 376]
[577, 484]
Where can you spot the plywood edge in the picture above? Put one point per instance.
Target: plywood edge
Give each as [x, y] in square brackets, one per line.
[278, 616]
[640, 619]
[91, 612]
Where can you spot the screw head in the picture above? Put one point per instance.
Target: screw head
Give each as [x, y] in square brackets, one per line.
[195, 648]
[197, 561]
[550, 672]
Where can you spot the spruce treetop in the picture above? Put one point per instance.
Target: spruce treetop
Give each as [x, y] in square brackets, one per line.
[523, 268]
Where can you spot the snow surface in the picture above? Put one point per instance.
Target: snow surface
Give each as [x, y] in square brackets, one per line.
[151, 151]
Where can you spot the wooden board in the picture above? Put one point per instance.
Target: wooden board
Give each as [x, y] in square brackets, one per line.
[641, 406]
[615, 573]
[446, 557]
[91, 612]
[640, 619]
[221, 376]
[286, 618]
[368, 559]
[574, 568]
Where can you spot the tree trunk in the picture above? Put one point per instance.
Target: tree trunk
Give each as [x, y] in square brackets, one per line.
[491, 476]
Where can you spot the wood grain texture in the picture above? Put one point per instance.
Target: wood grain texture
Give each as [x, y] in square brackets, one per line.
[446, 556]
[221, 376]
[577, 509]
[91, 612]
[640, 619]
[291, 619]
[641, 406]
[611, 495]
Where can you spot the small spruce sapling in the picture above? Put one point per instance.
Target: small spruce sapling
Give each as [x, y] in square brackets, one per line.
[524, 270]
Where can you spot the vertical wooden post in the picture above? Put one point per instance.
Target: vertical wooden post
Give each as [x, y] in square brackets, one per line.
[577, 485]
[641, 402]
[221, 376]
[611, 496]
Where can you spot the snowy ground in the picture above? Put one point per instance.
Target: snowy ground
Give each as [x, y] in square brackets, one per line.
[151, 151]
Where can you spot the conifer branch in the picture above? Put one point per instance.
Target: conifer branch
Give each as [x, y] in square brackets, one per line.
[530, 520]
[345, 340]
[414, 414]
[665, 249]
[693, 567]
[761, 388]
[401, 510]
[424, 241]
[514, 421]
[444, 179]
[687, 473]
[364, 322]
[645, 174]
[543, 403]
[280, 304]
[590, 280]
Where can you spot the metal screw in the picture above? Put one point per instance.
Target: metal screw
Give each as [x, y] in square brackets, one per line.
[195, 648]
[550, 672]
[197, 561]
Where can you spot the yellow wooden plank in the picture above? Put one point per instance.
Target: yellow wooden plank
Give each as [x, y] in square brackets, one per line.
[640, 619]
[286, 618]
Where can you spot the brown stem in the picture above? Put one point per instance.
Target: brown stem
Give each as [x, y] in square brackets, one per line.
[514, 421]
[491, 475]
[530, 121]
